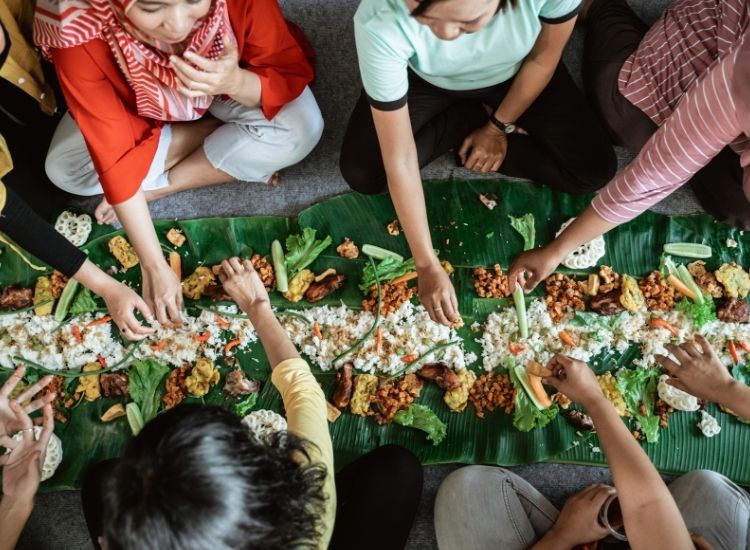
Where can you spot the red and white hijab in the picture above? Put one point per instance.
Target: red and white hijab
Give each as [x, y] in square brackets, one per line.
[143, 60]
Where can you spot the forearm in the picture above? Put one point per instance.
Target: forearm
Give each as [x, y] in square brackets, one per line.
[586, 227]
[737, 398]
[13, 518]
[550, 541]
[248, 90]
[272, 335]
[531, 79]
[93, 278]
[652, 519]
[136, 219]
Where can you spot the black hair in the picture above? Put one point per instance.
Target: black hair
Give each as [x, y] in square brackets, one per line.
[425, 5]
[195, 478]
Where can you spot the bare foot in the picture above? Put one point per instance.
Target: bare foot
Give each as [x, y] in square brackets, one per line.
[274, 180]
[105, 213]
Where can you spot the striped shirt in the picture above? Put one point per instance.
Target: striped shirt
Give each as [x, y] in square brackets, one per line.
[681, 77]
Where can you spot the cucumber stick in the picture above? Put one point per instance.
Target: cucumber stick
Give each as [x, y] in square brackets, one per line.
[279, 266]
[684, 275]
[688, 250]
[66, 299]
[671, 267]
[380, 253]
[135, 418]
[520, 302]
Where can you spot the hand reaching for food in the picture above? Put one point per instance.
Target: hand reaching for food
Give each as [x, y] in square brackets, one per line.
[162, 291]
[575, 379]
[242, 283]
[121, 301]
[532, 267]
[437, 294]
[10, 421]
[578, 522]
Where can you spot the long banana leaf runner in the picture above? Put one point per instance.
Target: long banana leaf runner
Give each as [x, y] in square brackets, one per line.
[468, 235]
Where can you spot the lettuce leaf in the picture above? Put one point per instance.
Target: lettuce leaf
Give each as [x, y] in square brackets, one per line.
[422, 418]
[387, 270]
[84, 303]
[145, 377]
[526, 416]
[302, 250]
[638, 387]
[525, 226]
[588, 319]
[246, 404]
[700, 314]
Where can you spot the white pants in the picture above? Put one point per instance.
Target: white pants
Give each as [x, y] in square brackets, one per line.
[248, 147]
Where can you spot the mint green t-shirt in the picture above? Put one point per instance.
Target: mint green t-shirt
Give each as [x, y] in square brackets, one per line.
[389, 40]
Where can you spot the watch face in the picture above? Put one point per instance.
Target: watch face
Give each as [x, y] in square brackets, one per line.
[510, 128]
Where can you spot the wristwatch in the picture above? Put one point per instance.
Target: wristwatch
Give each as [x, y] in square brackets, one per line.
[504, 127]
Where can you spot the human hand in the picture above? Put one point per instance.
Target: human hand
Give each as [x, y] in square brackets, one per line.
[121, 300]
[578, 522]
[22, 467]
[697, 370]
[575, 379]
[437, 294]
[162, 291]
[199, 76]
[532, 267]
[243, 283]
[10, 423]
[484, 149]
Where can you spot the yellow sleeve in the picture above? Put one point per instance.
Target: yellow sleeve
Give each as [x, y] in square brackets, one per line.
[306, 416]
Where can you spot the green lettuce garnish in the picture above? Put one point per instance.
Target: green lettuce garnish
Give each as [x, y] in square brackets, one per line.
[526, 416]
[701, 313]
[145, 378]
[525, 226]
[422, 418]
[638, 387]
[587, 319]
[245, 405]
[387, 270]
[84, 303]
[302, 250]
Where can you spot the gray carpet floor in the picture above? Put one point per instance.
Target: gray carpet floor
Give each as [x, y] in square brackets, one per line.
[57, 522]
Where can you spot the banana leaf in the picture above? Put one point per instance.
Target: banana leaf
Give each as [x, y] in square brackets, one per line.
[468, 235]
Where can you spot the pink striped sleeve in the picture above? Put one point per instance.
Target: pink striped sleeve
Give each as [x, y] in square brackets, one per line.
[703, 123]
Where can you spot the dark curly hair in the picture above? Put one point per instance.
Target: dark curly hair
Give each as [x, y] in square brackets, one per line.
[195, 478]
[424, 5]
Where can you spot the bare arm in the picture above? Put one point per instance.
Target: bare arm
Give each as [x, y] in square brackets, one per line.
[405, 184]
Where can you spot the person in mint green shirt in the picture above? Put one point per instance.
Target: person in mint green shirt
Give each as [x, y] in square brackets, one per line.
[482, 78]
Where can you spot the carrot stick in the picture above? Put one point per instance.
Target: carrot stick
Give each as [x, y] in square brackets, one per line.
[99, 321]
[378, 340]
[175, 262]
[681, 287]
[101, 361]
[514, 348]
[231, 345]
[409, 358]
[742, 344]
[663, 323]
[223, 323]
[158, 346]
[733, 352]
[202, 337]
[76, 332]
[404, 278]
[567, 339]
[316, 331]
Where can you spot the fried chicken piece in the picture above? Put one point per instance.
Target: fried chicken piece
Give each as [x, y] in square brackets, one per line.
[440, 373]
[492, 391]
[490, 283]
[564, 294]
[705, 280]
[15, 297]
[175, 386]
[348, 249]
[394, 228]
[237, 384]
[319, 290]
[342, 393]
[579, 420]
[658, 294]
[610, 279]
[216, 293]
[393, 297]
[394, 396]
[734, 310]
[114, 384]
[265, 270]
[58, 281]
[607, 303]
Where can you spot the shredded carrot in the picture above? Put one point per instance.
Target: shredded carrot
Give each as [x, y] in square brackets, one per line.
[76, 332]
[378, 339]
[202, 337]
[316, 331]
[175, 262]
[409, 358]
[231, 345]
[404, 278]
[102, 362]
[663, 323]
[743, 345]
[223, 323]
[681, 287]
[733, 352]
[514, 348]
[99, 321]
[566, 338]
[158, 346]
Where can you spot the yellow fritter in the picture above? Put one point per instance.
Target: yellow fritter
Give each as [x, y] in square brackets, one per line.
[123, 252]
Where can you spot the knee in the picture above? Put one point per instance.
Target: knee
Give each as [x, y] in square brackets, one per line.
[360, 173]
[55, 167]
[703, 480]
[462, 483]
[309, 130]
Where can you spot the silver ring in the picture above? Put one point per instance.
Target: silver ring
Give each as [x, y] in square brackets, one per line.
[25, 430]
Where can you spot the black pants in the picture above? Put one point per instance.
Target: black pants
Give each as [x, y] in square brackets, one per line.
[380, 489]
[613, 32]
[566, 147]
